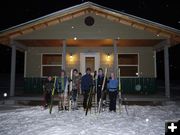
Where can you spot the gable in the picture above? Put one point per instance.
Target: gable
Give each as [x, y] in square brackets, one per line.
[102, 28]
[118, 24]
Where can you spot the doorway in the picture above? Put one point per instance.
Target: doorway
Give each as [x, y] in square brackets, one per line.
[91, 60]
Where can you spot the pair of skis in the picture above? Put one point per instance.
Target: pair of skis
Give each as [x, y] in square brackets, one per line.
[70, 90]
[120, 98]
[89, 101]
[52, 95]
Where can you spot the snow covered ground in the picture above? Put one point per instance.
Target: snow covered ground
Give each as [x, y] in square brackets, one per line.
[142, 120]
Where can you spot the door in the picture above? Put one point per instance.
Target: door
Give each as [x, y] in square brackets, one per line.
[91, 60]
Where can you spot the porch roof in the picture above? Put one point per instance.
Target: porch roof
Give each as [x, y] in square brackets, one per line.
[91, 43]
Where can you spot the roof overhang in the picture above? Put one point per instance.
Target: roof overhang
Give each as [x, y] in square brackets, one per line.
[91, 43]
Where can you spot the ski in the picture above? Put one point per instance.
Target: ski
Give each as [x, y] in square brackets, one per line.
[65, 96]
[89, 101]
[121, 99]
[119, 91]
[95, 96]
[52, 95]
[70, 90]
[100, 101]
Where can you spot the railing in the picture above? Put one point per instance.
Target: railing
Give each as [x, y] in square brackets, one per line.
[129, 85]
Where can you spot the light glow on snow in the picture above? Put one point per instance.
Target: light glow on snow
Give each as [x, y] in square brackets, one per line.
[5, 95]
[36, 121]
[147, 120]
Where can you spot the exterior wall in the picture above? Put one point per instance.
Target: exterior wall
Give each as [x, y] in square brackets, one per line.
[102, 28]
[34, 59]
[146, 59]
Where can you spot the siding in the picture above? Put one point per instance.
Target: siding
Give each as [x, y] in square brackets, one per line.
[146, 60]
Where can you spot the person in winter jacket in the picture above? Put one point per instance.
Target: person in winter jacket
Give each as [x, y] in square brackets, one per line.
[101, 93]
[47, 87]
[86, 85]
[62, 89]
[75, 86]
[113, 90]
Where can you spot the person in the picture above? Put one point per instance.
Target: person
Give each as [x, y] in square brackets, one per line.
[61, 86]
[100, 93]
[47, 87]
[113, 90]
[75, 87]
[86, 85]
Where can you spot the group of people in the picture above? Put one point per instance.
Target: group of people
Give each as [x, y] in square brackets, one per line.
[82, 85]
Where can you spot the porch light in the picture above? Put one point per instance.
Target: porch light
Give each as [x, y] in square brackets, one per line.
[137, 73]
[75, 38]
[71, 56]
[108, 57]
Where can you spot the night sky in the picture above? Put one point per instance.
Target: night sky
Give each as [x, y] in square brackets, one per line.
[14, 12]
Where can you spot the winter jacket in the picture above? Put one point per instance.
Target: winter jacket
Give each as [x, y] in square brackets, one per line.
[113, 85]
[48, 86]
[86, 82]
[59, 82]
[100, 80]
[75, 82]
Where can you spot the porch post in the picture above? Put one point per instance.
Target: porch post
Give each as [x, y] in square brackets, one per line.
[25, 63]
[155, 65]
[166, 69]
[64, 55]
[13, 69]
[115, 64]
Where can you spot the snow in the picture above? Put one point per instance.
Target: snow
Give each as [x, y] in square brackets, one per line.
[141, 120]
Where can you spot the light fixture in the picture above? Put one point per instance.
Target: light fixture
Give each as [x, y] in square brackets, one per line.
[75, 38]
[71, 56]
[72, 27]
[137, 74]
[157, 35]
[108, 57]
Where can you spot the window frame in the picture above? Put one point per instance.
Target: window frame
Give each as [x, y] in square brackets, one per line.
[129, 65]
[49, 65]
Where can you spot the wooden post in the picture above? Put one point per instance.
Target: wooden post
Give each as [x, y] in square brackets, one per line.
[64, 55]
[155, 65]
[166, 70]
[13, 69]
[25, 63]
[115, 64]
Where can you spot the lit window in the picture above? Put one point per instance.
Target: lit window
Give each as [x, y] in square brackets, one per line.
[51, 64]
[128, 63]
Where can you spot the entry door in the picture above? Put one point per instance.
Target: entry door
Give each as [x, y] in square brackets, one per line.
[91, 60]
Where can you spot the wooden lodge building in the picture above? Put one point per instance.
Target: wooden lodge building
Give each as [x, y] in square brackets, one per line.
[90, 35]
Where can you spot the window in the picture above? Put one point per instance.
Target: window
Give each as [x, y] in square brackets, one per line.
[51, 64]
[128, 63]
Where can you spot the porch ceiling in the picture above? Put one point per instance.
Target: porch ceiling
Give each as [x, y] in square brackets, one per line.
[89, 43]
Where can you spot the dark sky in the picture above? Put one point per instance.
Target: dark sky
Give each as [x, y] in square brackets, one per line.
[13, 12]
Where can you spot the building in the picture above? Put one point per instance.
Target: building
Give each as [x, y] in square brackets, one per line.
[90, 35]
